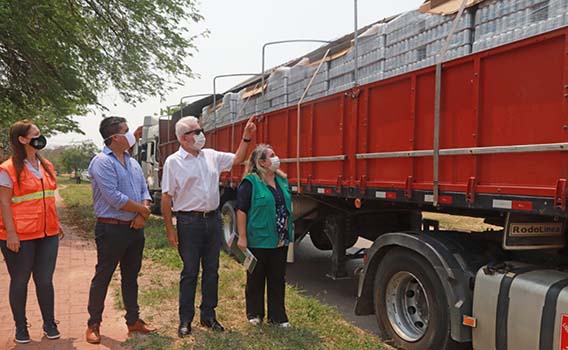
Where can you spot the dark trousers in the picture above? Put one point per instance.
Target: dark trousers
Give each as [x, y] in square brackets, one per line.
[270, 270]
[36, 258]
[199, 242]
[116, 244]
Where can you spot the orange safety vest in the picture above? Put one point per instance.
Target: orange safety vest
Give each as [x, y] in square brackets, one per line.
[33, 203]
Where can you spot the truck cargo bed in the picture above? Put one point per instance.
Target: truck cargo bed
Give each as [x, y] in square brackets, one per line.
[503, 134]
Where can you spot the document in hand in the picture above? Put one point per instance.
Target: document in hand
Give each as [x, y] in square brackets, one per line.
[246, 258]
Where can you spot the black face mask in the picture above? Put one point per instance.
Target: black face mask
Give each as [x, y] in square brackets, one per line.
[38, 142]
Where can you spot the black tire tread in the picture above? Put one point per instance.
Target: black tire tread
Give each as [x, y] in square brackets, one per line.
[439, 338]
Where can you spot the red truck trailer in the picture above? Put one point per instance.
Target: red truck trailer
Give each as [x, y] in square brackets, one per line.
[360, 163]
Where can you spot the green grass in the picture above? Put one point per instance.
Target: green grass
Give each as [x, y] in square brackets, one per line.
[78, 204]
[157, 247]
[153, 341]
[315, 325]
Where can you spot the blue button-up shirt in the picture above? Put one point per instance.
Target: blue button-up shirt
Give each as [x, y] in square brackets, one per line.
[114, 184]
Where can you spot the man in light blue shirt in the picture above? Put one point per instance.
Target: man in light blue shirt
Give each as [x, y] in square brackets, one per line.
[121, 205]
[115, 183]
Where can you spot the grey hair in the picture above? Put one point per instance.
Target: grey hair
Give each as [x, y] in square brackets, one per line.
[183, 126]
[253, 166]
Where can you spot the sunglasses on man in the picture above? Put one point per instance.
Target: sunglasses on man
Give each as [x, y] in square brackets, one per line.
[196, 132]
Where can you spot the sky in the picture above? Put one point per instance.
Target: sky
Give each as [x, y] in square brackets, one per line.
[238, 29]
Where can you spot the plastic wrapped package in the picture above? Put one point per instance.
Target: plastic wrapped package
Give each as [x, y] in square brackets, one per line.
[414, 39]
[206, 120]
[505, 21]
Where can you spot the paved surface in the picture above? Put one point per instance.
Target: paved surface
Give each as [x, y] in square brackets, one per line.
[309, 273]
[75, 267]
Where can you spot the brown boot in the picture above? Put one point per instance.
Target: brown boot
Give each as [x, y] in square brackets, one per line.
[141, 327]
[94, 334]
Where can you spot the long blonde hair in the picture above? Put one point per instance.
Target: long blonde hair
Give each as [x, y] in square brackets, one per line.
[253, 166]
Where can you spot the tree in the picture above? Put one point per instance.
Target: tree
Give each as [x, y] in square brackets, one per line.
[58, 56]
[76, 158]
[54, 155]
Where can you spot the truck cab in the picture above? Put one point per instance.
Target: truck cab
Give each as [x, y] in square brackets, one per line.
[147, 153]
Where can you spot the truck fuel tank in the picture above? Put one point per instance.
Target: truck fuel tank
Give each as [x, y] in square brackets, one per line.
[521, 307]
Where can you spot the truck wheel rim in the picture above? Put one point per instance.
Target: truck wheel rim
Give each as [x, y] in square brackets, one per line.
[228, 224]
[407, 306]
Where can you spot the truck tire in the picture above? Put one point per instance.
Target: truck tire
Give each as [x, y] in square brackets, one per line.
[321, 241]
[229, 222]
[410, 303]
[156, 206]
[318, 236]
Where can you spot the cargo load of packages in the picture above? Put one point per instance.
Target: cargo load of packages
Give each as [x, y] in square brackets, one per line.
[410, 41]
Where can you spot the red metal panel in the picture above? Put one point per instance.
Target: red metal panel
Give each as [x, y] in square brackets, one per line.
[287, 131]
[564, 332]
[305, 131]
[292, 137]
[472, 182]
[363, 131]
[305, 139]
[457, 123]
[166, 130]
[520, 88]
[278, 137]
[390, 127]
[223, 139]
[522, 103]
[168, 142]
[424, 136]
[328, 139]
[309, 167]
[238, 171]
[210, 139]
[292, 125]
[413, 131]
[350, 137]
[565, 101]
[223, 144]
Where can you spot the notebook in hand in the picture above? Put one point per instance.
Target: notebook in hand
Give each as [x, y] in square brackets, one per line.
[246, 258]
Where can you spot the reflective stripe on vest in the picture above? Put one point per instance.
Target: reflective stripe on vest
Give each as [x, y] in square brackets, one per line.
[33, 196]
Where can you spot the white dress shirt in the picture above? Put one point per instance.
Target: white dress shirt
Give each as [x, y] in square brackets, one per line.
[193, 182]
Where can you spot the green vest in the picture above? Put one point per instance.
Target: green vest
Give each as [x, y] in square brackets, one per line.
[261, 217]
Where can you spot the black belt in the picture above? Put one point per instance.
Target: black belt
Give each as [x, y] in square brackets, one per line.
[201, 214]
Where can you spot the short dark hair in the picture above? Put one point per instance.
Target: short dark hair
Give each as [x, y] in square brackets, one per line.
[110, 126]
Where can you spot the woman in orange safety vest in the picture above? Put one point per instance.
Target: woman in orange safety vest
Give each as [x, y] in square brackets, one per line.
[29, 226]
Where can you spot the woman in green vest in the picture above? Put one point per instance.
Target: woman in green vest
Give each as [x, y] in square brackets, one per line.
[264, 221]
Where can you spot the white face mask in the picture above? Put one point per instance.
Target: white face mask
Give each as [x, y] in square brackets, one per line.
[274, 163]
[129, 137]
[198, 141]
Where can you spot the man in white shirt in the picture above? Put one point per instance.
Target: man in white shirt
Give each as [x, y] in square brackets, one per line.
[190, 182]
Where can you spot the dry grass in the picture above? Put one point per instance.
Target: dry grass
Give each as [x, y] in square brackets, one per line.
[315, 326]
[460, 223]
